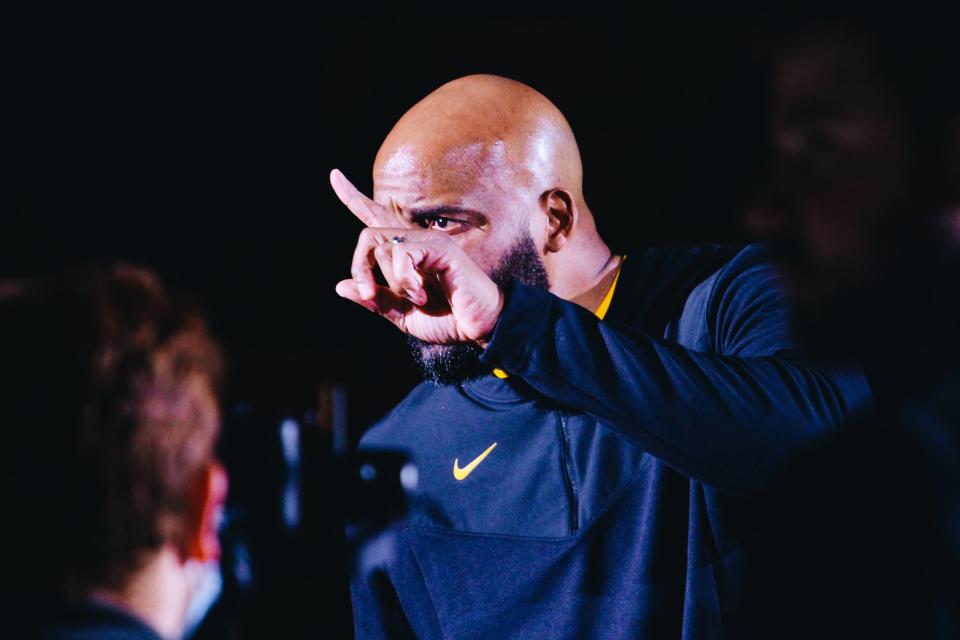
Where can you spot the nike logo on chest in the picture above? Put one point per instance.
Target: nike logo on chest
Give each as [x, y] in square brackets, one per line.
[461, 474]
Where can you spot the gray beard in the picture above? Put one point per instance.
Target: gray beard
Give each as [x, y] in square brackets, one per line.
[456, 363]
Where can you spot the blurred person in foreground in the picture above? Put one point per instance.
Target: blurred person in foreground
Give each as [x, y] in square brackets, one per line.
[864, 212]
[112, 490]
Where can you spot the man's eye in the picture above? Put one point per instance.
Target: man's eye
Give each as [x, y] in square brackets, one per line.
[440, 223]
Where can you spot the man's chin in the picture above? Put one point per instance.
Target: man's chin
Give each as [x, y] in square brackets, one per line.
[447, 364]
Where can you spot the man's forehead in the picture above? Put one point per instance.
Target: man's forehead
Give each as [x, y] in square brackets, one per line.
[403, 161]
[448, 170]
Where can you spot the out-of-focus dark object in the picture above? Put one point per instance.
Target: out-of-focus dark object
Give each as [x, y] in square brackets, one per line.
[865, 175]
[864, 208]
[379, 485]
[287, 556]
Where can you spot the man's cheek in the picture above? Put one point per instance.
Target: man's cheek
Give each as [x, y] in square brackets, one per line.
[483, 253]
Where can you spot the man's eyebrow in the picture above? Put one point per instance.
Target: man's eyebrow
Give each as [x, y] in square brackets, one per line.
[441, 210]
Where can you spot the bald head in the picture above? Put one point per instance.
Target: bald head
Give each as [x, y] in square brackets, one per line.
[484, 128]
[494, 164]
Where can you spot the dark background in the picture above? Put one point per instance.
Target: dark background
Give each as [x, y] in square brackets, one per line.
[200, 147]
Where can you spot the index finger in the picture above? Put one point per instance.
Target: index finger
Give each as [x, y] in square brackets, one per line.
[369, 212]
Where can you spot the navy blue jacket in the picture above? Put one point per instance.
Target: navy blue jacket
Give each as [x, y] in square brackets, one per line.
[629, 455]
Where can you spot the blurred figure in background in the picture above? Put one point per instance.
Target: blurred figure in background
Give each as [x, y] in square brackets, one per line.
[864, 214]
[112, 490]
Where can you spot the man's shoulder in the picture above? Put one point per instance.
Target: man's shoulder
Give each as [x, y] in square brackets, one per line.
[657, 282]
[748, 272]
[720, 262]
[749, 260]
[741, 309]
[714, 298]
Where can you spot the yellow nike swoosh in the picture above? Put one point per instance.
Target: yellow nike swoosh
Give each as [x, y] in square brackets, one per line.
[461, 474]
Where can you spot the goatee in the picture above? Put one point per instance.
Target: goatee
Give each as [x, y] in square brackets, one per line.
[455, 363]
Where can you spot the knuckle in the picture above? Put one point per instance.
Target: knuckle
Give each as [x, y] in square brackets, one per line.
[417, 256]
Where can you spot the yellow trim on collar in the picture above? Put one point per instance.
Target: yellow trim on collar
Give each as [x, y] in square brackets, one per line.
[601, 311]
[607, 299]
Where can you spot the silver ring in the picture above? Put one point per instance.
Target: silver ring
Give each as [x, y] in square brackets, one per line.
[395, 240]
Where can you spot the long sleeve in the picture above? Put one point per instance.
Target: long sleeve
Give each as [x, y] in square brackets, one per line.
[726, 414]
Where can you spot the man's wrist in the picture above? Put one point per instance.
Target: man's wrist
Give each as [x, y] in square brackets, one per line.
[484, 340]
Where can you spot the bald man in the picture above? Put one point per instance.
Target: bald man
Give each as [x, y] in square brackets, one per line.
[593, 426]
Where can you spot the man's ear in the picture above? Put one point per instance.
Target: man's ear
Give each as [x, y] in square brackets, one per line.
[210, 498]
[561, 210]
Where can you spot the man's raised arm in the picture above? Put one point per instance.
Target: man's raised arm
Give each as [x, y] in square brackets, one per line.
[726, 418]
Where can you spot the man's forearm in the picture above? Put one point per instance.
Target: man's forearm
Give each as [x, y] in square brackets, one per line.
[726, 421]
